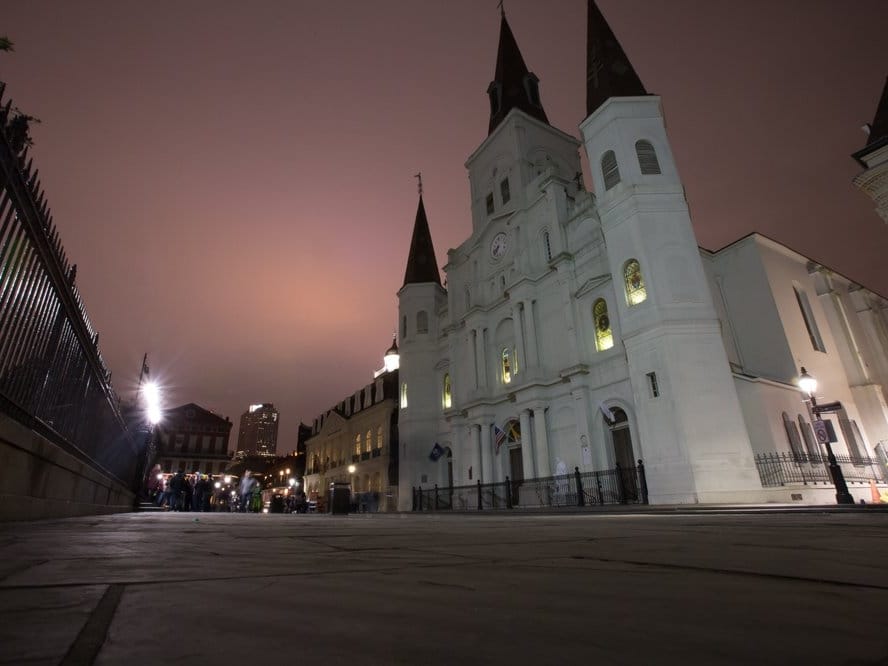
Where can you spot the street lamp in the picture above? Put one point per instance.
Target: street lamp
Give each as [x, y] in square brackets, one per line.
[809, 385]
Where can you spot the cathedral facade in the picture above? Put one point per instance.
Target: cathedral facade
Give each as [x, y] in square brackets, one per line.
[582, 330]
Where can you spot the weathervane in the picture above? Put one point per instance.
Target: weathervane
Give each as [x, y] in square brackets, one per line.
[418, 177]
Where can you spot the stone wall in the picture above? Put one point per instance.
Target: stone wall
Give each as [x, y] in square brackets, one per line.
[39, 480]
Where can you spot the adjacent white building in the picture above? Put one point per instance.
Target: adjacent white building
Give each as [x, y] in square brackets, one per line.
[582, 330]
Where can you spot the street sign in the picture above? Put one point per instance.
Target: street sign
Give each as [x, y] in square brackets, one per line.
[821, 431]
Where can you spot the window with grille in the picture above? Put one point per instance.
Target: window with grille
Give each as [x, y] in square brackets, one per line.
[610, 170]
[808, 316]
[653, 385]
[547, 245]
[647, 158]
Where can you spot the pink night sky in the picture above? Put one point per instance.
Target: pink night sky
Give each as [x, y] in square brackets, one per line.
[235, 180]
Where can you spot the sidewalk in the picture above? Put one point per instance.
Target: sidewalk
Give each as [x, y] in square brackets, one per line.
[707, 587]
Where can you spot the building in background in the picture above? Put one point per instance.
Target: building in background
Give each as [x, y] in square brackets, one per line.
[193, 439]
[874, 158]
[356, 441]
[258, 431]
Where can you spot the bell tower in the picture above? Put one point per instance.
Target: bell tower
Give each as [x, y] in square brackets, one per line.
[419, 300]
[694, 440]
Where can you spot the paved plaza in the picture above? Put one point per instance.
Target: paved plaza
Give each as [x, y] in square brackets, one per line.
[700, 588]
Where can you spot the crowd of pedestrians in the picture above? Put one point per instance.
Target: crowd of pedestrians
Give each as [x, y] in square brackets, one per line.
[187, 492]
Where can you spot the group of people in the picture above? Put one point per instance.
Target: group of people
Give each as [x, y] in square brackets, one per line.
[186, 492]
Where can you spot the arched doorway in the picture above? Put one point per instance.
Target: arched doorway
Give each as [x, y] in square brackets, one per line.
[512, 439]
[624, 455]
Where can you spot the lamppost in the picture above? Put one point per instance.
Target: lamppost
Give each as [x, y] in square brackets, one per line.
[809, 385]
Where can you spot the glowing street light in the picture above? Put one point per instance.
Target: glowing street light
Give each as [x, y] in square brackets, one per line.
[151, 392]
[351, 469]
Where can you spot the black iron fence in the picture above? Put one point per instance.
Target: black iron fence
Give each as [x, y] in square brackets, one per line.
[787, 468]
[52, 376]
[621, 485]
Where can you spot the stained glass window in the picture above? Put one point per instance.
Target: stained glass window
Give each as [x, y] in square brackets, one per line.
[404, 395]
[507, 365]
[604, 337]
[635, 289]
[447, 399]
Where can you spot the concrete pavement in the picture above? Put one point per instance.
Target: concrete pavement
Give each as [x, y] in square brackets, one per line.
[712, 588]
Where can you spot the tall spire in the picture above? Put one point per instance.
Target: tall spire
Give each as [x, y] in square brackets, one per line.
[878, 129]
[608, 71]
[513, 86]
[421, 264]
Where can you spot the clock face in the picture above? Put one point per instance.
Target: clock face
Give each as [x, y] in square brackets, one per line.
[498, 246]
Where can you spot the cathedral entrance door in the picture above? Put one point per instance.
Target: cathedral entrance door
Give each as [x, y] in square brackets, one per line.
[516, 469]
[624, 455]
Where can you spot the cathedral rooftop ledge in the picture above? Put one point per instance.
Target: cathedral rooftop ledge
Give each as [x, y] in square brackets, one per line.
[622, 107]
[514, 119]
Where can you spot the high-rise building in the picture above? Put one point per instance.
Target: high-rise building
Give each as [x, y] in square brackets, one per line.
[258, 431]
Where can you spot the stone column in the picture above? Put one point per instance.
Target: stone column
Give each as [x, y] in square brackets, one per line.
[520, 351]
[541, 441]
[486, 454]
[533, 358]
[526, 445]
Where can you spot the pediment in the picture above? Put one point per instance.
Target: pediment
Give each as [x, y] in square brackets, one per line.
[592, 284]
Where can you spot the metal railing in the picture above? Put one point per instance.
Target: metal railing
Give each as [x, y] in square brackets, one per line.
[788, 468]
[621, 485]
[52, 377]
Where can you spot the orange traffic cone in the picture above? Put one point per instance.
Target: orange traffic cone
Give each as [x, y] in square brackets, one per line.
[874, 492]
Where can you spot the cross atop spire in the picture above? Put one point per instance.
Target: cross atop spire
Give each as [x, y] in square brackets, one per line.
[513, 86]
[608, 70]
[418, 177]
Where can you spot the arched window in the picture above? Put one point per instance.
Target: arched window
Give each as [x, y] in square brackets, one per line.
[647, 158]
[507, 368]
[404, 395]
[610, 170]
[447, 397]
[604, 337]
[379, 437]
[358, 444]
[635, 289]
[368, 441]
[422, 322]
[547, 246]
[404, 326]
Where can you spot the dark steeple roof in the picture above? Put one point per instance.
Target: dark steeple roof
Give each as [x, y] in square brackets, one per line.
[421, 264]
[608, 71]
[513, 86]
[879, 126]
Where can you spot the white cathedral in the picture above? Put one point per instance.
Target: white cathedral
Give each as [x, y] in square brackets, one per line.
[592, 330]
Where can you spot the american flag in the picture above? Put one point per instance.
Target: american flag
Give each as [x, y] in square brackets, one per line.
[499, 436]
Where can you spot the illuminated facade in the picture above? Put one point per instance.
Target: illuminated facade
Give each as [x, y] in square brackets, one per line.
[193, 439]
[258, 431]
[592, 330]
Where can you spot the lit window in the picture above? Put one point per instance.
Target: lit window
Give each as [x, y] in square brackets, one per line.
[379, 437]
[647, 158]
[447, 399]
[504, 191]
[489, 203]
[422, 322]
[368, 441]
[610, 170]
[358, 444]
[507, 365]
[404, 395]
[635, 289]
[604, 337]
